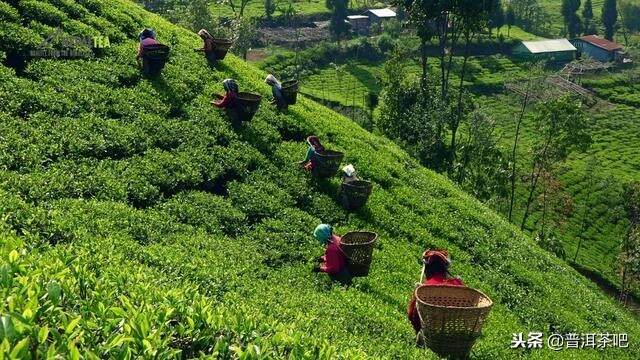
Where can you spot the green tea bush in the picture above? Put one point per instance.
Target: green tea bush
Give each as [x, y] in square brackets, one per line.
[42, 12]
[8, 13]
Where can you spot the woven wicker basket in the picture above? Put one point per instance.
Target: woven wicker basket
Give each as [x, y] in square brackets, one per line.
[355, 194]
[248, 105]
[290, 91]
[452, 318]
[154, 58]
[221, 47]
[358, 247]
[327, 163]
[156, 52]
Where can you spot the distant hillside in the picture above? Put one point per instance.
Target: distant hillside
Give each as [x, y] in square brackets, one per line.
[137, 222]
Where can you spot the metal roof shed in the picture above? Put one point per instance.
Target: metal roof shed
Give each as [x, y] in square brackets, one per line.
[381, 13]
[557, 49]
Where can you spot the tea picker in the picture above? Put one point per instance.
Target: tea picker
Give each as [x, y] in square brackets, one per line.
[322, 163]
[152, 56]
[214, 49]
[239, 106]
[354, 191]
[446, 315]
[345, 257]
[284, 94]
[334, 261]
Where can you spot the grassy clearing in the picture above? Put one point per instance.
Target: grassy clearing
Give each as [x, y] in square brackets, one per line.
[255, 8]
[136, 222]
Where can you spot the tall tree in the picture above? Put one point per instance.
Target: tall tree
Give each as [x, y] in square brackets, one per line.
[236, 6]
[530, 15]
[471, 17]
[609, 18]
[630, 15]
[571, 19]
[588, 25]
[200, 14]
[423, 15]
[269, 8]
[532, 87]
[337, 25]
[510, 18]
[245, 34]
[497, 16]
[562, 126]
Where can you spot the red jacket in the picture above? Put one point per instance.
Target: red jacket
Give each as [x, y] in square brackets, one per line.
[146, 42]
[412, 311]
[228, 100]
[334, 260]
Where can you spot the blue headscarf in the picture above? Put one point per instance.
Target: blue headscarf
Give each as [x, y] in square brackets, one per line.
[323, 233]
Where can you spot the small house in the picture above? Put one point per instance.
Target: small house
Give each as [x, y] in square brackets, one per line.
[560, 50]
[598, 48]
[377, 16]
[359, 23]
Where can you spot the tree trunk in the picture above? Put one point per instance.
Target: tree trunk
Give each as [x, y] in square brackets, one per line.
[457, 118]
[425, 66]
[513, 153]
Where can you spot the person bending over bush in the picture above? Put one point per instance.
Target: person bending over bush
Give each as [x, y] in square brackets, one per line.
[334, 261]
[310, 161]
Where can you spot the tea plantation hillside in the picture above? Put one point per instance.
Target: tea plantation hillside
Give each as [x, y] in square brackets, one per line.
[137, 222]
[594, 218]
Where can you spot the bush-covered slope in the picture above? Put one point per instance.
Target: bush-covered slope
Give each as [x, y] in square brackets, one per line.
[136, 221]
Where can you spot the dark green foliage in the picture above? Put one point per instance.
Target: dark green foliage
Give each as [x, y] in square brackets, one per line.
[338, 25]
[572, 21]
[609, 18]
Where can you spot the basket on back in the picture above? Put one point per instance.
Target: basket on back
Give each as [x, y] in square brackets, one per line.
[154, 58]
[327, 163]
[358, 248]
[246, 107]
[290, 91]
[355, 193]
[452, 317]
[221, 47]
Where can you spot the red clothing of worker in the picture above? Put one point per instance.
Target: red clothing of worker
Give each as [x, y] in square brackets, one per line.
[334, 260]
[146, 42]
[229, 100]
[435, 279]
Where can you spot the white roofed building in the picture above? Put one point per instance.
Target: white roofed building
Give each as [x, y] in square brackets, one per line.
[557, 49]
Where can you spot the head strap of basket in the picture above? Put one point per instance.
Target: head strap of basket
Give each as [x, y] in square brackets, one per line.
[314, 142]
[230, 85]
[204, 34]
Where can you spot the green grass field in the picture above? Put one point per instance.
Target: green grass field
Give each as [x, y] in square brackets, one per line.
[255, 8]
[137, 223]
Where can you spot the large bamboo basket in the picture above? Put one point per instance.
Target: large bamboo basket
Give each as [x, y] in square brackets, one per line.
[452, 318]
[327, 163]
[290, 91]
[221, 47]
[358, 247]
[248, 105]
[355, 194]
[154, 58]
